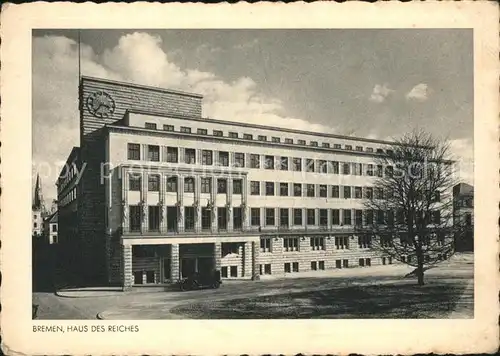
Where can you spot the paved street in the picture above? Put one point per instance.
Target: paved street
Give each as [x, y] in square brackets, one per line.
[375, 292]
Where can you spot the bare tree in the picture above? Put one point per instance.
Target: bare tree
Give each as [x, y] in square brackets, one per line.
[409, 209]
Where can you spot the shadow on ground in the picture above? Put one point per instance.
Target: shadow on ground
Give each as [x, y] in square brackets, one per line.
[372, 301]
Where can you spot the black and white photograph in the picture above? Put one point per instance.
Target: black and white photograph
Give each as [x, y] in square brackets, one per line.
[192, 179]
[246, 174]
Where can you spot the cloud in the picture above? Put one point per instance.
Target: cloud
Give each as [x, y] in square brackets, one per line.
[380, 93]
[462, 151]
[137, 58]
[419, 92]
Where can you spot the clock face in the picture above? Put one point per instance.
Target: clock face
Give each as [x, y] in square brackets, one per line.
[101, 104]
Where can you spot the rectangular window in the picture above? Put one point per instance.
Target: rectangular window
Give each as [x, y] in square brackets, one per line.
[389, 171]
[347, 192]
[254, 161]
[335, 217]
[310, 190]
[135, 217]
[190, 156]
[269, 162]
[206, 185]
[234, 271]
[265, 245]
[154, 183]
[321, 265]
[237, 218]
[275, 139]
[206, 157]
[295, 266]
[172, 154]
[335, 191]
[217, 133]
[154, 218]
[297, 217]
[134, 151]
[189, 185]
[341, 242]
[284, 163]
[284, 189]
[254, 188]
[379, 193]
[297, 189]
[269, 188]
[338, 263]
[325, 145]
[369, 217]
[134, 182]
[168, 127]
[358, 192]
[223, 272]
[314, 266]
[311, 216]
[297, 164]
[323, 217]
[323, 191]
[150, 126]
[323, 166]
[233, 134]
[317, 243]
[185, 129]
[358, 169]
[361, 262]
[364, 241]
[346, 168]
[188, 218]
[221, 186]
[224, 159]
[172, 184]
[248, 136]
[309, 165]
[335, 167]
[270, 219]
[239, 160]
[359, 148]
[262, 138]
[369, 170]
[348, 147]
[314, 143]
[287, 268]
[347, 216]
[380, 217]
[284, 217]
[301, 142]
[379, 170]
[290, 244]
[289, 140]
[153, 153]
[345, 263]
[255, 216]
[222, 218]
[206, 219]
[202, 132]
[368, 193]
[237, 186]
[369, 149]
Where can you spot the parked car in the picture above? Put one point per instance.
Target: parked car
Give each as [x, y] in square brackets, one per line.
[201, 280]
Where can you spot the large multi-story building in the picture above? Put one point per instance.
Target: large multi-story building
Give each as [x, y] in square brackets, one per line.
[165, 192]
[463, 216]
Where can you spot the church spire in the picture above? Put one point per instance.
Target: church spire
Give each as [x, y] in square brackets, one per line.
[37, 197]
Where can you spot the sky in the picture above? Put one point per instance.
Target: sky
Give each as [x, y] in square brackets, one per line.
[369, 83]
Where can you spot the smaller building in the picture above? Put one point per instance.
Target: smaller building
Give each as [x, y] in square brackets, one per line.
[50, 228]
[463, 216]
[37, 210]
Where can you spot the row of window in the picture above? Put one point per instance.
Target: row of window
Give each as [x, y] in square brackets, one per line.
[69, 173]
[316, 243]
[135, 184]
[239, 159]
[263, 138]
[316, 190]
[293, 267]
[358, 217]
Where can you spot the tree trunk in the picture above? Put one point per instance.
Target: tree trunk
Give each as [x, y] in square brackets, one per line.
[420, 274]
